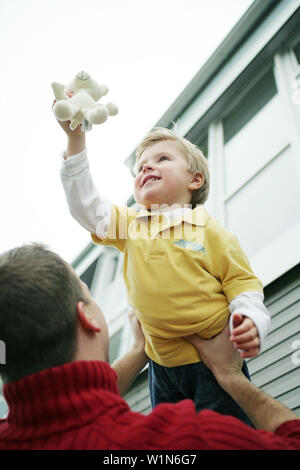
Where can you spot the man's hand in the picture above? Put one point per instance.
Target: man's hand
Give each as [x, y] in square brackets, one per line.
[130, 365]
[218, 354]
[225, 362]
[137, 332]
[245, 336]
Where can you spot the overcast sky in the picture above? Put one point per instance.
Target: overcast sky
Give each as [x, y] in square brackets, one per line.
[145, 51]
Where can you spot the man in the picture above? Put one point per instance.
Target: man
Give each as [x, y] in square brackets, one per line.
[62, 393]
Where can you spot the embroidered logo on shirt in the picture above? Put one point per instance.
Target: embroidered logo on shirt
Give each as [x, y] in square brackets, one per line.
[189, 245]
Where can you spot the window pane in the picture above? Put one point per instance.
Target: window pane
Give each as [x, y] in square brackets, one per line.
[249, 105]
[203, 146]
[267, 205]
[201, 142]
[258, 141]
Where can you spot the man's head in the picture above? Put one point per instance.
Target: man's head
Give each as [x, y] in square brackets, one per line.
[47, 317]
[170, 170]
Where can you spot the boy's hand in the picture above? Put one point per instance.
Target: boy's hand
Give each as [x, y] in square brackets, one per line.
[76, 138]
[245, 336]
[65, 125]
[137, 332]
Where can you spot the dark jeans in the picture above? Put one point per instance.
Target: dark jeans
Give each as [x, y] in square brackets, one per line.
[193, 381]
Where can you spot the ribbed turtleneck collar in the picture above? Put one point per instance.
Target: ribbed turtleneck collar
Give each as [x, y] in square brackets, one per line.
[61, 397]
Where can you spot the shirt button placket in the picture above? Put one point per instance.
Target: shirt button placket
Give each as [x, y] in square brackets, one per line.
[154, 229]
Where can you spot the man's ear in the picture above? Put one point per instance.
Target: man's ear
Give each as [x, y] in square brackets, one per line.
[197, 181]
[87, 321]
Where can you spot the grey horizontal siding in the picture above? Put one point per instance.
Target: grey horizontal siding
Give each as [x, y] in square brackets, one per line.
[273, 369]
[138, 397]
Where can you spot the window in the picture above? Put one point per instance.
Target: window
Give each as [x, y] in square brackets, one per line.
[266, 206]
[249, 105]
[199, 138]
[259, 140]
[203, 146]
[261, 186]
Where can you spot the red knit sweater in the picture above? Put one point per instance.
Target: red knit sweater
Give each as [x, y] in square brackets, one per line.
[77, 406]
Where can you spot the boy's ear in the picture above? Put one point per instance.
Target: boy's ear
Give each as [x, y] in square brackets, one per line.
[87, 321]
[197, 181]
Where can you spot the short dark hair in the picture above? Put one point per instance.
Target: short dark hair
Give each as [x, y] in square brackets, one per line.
[38, 298]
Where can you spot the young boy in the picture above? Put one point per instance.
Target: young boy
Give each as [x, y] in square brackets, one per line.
[183, 271]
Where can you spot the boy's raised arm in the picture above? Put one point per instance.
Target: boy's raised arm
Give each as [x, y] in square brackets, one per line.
[75, 145]
[85, 204]
[76, 139]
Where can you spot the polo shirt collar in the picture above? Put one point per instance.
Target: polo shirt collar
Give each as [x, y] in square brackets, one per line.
[197, 216]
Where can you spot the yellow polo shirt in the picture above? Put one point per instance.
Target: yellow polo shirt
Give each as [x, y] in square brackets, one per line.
[180, 277]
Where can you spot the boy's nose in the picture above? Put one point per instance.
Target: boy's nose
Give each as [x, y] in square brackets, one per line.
[147, 166]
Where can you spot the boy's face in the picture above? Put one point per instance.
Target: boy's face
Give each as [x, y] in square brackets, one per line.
[162, 176]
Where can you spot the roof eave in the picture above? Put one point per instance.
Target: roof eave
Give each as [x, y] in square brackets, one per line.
[253, 16]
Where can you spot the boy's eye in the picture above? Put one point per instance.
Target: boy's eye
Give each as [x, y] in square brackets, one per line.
[163, 157]
[138, 169]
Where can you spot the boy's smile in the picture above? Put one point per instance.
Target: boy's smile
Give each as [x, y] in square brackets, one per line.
[148, 179]
[162, 176]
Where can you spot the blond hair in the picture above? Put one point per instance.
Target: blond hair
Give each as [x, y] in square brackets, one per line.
[192, 154]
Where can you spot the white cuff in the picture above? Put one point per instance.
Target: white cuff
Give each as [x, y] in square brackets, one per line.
[251, 305]
[74, 165]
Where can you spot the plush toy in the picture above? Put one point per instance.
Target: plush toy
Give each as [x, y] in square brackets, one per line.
[78, 102]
